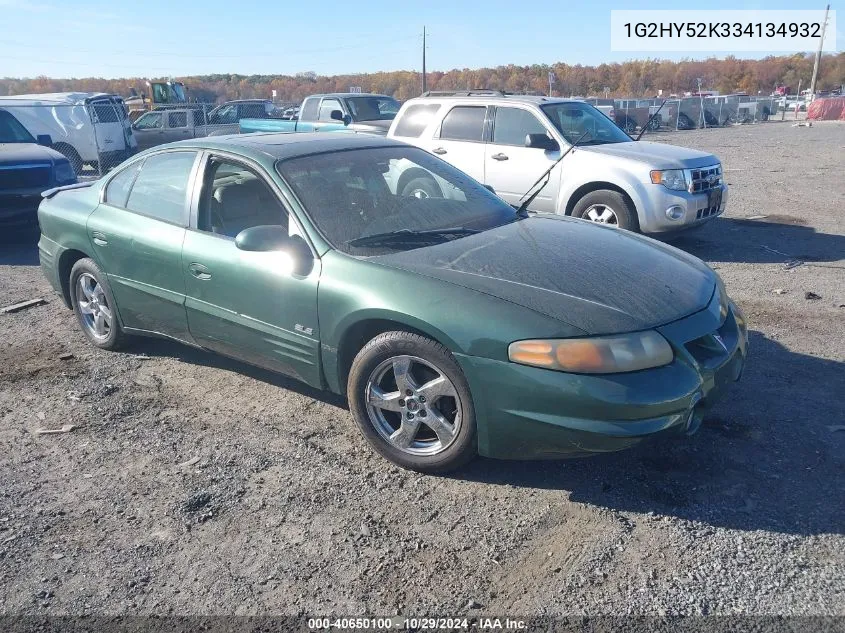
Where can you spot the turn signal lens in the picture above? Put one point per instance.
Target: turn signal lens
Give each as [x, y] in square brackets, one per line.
[598, 355]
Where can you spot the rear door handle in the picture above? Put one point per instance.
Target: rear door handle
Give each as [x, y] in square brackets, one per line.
[499, 156]
[438, 150]
[199, 271]
[99, 238]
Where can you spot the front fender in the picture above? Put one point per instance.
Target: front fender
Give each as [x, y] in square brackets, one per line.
[574, 188]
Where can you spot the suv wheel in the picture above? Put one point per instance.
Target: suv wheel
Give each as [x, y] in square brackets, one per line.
[422, 187]
[412, 402]
[607, 207]
[94, 306]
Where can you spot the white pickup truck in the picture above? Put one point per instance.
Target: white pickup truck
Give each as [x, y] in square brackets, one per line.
[508, 142]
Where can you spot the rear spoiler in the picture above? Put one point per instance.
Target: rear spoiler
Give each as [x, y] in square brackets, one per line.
[52, 192]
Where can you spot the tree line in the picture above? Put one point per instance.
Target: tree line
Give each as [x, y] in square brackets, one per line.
[638, 78]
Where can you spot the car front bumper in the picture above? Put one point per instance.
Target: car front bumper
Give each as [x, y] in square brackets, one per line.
[695, 207]
[530, 413]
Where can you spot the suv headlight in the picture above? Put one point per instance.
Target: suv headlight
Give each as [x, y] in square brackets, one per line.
[596, 355]
[670, 178]
[63, 172]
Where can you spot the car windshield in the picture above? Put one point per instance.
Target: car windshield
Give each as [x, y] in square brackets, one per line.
[11, 130]
[376, 200]
[574, 119]
[373, 108]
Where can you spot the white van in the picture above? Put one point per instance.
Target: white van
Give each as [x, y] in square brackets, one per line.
[89, 128]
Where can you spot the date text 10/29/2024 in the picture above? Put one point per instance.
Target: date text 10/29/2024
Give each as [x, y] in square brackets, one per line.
[417, 624]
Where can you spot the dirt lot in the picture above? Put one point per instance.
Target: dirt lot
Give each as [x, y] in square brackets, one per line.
[196, 485]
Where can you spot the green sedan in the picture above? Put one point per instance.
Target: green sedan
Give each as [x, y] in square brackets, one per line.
[454, 324]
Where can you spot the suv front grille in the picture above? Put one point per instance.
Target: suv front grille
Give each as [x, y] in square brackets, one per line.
[705, 178]
[24, 176]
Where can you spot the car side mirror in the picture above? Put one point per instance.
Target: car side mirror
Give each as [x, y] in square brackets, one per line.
[44, 139]
[541, 141]
[275, 238]
[337, 115]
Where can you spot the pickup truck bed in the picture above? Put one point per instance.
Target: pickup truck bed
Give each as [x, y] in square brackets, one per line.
[281, 125]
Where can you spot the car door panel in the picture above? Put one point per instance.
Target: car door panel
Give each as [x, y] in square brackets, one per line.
[511, 168]
[460, 139]
[249, 305]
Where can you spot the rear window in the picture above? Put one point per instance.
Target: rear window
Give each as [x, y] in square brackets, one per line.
[464, 123]
[106, 112]
[414, 120]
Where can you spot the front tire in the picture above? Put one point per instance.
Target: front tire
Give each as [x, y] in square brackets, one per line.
[607, 207]
[94, 305]
[412, 403]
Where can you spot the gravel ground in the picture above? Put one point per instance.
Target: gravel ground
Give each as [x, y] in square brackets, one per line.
[192, 484]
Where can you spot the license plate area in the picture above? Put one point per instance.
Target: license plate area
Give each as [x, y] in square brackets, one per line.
[714, 200]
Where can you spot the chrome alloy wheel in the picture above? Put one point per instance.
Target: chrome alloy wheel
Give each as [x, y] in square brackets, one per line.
[97, 315]
[601, 214]
[413, 405]
[419, 193]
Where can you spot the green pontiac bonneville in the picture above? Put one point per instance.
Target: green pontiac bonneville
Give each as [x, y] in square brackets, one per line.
[454, 324]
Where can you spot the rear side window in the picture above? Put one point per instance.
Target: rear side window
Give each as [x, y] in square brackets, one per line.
[253, 111]
[464, 123]
[117, 191]
[161, 188]
[177, 119]
[511, 125]
[414, 120]
[310, 109]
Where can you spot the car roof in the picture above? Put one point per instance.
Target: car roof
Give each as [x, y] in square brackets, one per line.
[287, 144]
[493, 97]
[349, 94]
[76, 98]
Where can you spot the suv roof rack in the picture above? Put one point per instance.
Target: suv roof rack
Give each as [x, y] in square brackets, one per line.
[477, 92]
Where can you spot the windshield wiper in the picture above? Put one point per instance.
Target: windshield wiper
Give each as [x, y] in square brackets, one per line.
[521, 210]
[409, 235]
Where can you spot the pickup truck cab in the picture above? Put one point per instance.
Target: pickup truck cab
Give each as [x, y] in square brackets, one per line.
[27, 167]
[509, 141]
[166, 125]
[358, 112]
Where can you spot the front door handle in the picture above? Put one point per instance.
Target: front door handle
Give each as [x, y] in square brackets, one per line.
[99, 238]
[199, 271]
[438, 150]
[499, 156]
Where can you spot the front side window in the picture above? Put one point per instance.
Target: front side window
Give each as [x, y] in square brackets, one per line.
[253, 111]
[226, 114]
[575, 120]
[150, 121]
[11, 130]
[376, 194]
[326, 109]
[464, 123]
[373, 108]
[235, 198]
[414, 120]
[161, 188]
[512, 125]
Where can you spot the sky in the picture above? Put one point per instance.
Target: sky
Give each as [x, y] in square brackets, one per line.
[158, 38]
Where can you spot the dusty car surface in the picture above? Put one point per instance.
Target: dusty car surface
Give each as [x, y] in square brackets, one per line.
[454, 325]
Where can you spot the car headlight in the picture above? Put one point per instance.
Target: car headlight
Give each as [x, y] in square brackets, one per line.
[596, 355]
[670, 178]
[63, 172]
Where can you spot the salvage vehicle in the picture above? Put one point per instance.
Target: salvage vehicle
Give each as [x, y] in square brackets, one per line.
[27, 167]
[455, 325]
[163, 94]
[353, 111]
[509, 141]
[88, 128]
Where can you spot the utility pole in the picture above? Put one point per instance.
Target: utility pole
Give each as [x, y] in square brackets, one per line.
[423, 64]
[818, 56]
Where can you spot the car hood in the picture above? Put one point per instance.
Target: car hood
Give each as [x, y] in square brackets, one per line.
[598, 279]
[22, 153]
[658, 155]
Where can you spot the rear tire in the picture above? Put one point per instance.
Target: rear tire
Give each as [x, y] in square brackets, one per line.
[93, 303]
[608, 207]
[72, 155]
[412, 403]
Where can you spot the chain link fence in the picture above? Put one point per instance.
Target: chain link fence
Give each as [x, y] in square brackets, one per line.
[98, 133]
[690, 113]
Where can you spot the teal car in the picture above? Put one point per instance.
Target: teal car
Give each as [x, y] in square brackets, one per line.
[454, 324]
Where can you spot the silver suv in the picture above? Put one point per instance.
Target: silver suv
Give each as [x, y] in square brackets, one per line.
[508, 141]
